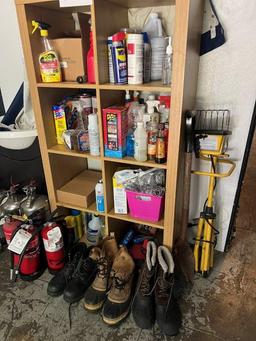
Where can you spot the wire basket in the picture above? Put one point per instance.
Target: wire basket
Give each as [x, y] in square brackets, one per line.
[212, 122]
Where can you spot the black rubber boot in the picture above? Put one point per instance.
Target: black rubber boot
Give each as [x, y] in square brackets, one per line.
[168, 315]
[143, 307]
[58, 283]
[81, 280]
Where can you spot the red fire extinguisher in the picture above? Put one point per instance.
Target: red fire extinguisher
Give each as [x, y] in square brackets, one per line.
[54, 246]
[30, 262]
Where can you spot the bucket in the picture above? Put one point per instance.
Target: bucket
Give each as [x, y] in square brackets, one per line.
[145, 206]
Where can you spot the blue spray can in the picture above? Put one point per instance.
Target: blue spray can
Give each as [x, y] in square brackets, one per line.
[119, 58]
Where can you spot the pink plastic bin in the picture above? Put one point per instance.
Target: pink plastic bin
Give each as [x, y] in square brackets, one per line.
[145, 206]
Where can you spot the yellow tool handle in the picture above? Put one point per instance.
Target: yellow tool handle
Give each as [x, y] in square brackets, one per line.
[217, 175]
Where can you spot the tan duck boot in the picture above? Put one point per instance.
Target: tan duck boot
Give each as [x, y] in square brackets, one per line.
[117, 305]
[103, 255]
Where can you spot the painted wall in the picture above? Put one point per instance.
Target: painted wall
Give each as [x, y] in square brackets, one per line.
[11, 57]
[227, 79]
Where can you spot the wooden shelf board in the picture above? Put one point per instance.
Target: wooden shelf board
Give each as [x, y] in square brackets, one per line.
[142, 3]
[62, 150]
[68, 85]
[152, 86]
[131, 161]
[90, 209]
[127, 217]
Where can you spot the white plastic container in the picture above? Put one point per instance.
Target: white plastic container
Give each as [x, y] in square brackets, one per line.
[158, 46]
[167, 63]
[94, 229]
[135, 46]
[153, 26]
[99, 193]
[94, 138]
[140, 139]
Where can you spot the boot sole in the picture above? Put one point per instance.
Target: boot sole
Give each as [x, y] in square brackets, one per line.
[117, 320]
[93, 307]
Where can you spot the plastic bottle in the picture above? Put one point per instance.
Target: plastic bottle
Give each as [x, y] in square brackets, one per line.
[90, 62]
[94, 138]
[167, 64]
[146, 59]
[158, 46]
[99, 193]
[94, 229]
[130, 144]
[127, 99]
[110, 61]
[119, 58]
[153, 26]
[135, 48]
[152, 104]
[160, 149]
[140, 139]
[48, 59]
[152, 137]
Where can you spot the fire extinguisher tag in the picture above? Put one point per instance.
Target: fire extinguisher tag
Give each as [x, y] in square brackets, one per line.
[54, 242]
[19, 241]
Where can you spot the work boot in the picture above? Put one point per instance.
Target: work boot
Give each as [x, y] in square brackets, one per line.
[168, 315]
[143, 307]
[117, 305]
[82, 278]
[58, 283]
[103, 256]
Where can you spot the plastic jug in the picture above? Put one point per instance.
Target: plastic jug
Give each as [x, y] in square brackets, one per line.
[140, 139]
[94, 229]
[153, 26]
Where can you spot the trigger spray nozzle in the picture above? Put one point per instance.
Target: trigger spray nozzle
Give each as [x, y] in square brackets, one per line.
[42, 26]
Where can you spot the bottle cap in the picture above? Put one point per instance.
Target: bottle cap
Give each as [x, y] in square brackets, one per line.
[119, 36]
[127, 95]
[75, 212]
[100, 181]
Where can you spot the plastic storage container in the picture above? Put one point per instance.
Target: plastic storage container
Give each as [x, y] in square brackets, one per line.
[158, 46]
[153, 26]
[145, 206]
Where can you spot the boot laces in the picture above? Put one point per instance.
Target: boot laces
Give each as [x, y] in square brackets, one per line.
[70, 266]
[103, 268]
[146, 282]
[118, 282]
[165, 288]
[83, 267]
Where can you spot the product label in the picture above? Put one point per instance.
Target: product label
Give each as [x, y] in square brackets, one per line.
[100, 203]
[60, 124]
[54, 241]
[49, 66]
[160, 150]
[143, 198]
[19, 241]
[120, 65]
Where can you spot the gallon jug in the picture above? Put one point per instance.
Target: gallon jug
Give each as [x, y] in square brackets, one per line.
[153, 26]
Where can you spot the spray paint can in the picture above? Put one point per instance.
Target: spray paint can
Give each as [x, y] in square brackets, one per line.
[110, 61]
[119, 58]
[99, 193]
[135, 48]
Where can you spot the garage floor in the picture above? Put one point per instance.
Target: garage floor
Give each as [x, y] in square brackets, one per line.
[222, 307]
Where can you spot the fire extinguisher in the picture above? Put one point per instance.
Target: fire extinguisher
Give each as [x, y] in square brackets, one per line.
[30, 262]
[10, 225]
[54, 246]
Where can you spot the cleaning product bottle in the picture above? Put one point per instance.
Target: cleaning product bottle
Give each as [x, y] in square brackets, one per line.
[99, 193]
[94, 229]
[160, 148]
[48, 59]
[94, 137]
[152, 104]
[140, 139]
[146, 59]
[152, 137]
[153, 26]
[90, 62]
[167, 64]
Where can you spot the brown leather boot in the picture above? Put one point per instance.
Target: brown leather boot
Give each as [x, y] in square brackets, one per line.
[117, 305]
[103, 255]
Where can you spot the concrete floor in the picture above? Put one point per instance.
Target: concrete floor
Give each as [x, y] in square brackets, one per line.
[221, 307]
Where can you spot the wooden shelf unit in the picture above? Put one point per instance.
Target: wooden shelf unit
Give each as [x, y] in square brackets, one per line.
[108, 16]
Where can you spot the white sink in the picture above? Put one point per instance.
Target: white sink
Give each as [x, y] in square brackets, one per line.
[20, 139]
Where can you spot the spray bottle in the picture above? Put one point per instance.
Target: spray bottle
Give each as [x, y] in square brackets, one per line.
[48, 59]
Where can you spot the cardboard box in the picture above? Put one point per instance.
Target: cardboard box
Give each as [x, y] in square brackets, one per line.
[70, 52]
[80, 191]
[115, 124]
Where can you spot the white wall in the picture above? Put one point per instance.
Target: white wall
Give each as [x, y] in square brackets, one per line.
[227, 79]
[11, 56]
